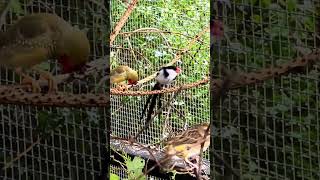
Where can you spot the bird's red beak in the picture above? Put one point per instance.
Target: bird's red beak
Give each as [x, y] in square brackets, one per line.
[67, 67]
[178, 70]
[130, 82]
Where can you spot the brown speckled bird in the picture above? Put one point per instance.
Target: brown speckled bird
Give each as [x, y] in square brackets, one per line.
[187, 144]
[36, 38]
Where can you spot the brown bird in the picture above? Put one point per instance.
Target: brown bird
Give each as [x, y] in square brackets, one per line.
[123, 73]
[38, 37]
[187, 144]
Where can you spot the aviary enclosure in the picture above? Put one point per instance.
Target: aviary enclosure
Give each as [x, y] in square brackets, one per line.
[157, 34]
[60, 135]
[265, 126]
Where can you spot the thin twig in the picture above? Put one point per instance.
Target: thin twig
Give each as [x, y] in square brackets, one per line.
[180, 113]
[7, 165]
[4, 12]
[219, 97]
[156, 30]
[179, 55]
[166, 126]
[136, 51]
[100, 5]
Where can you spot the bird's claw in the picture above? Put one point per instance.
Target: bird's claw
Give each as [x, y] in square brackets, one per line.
[52, 85]
[122, 87]
[34, 84]
[192, 165]
[47, 76]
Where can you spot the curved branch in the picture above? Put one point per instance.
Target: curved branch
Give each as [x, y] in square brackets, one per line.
[166, 90]
[178, 56]
[4, 12]
[153, 154]
[122, 21]
[297, 65]
[16, 95]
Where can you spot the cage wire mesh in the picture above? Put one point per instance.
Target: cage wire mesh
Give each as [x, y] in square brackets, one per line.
[271, 130]
[154, 34]
[55, 143]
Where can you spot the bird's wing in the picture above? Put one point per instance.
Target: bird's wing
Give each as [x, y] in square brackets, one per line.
[24, 57]
[30, 29]
[190, 136]
[117, 78]
[26, 43]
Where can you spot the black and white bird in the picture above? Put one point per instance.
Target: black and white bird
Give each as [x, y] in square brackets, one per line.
[165, 76]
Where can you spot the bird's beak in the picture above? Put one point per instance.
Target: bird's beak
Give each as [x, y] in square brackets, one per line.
[130, 82]
[178, 70]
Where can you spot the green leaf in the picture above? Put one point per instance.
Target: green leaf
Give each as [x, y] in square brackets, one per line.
[114, 177]
[135, 165]
[291, 4]
[252, 166]
[256, 18]
[266, 3]
[135, 168]
[16, 7]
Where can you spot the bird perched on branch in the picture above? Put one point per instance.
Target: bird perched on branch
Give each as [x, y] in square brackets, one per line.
[123, 73]
[164, 76]
[187, 144]
[38, 37]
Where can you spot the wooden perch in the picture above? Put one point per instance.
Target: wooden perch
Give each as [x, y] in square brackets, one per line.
[135, 149]
[298, 65]
[13, 95]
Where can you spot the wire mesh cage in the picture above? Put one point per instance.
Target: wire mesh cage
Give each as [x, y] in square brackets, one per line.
[153, 36]
[40, 142]
[270, 129]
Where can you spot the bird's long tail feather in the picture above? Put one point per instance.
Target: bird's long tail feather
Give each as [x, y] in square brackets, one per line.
[151, 107]
[145, 107]
[153, 97]
[159, 101]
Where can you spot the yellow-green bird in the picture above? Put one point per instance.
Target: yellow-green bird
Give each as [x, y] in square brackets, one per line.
[35, 38]
[123, 73]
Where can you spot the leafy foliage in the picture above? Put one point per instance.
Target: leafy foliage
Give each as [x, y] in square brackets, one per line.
[133, 167]
[278, 121]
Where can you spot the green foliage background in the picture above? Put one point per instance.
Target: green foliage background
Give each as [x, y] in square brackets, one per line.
[272, 130]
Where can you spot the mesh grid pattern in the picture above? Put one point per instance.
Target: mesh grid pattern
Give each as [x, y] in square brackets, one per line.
[272, 130]
[71, 139]
[146, 52]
